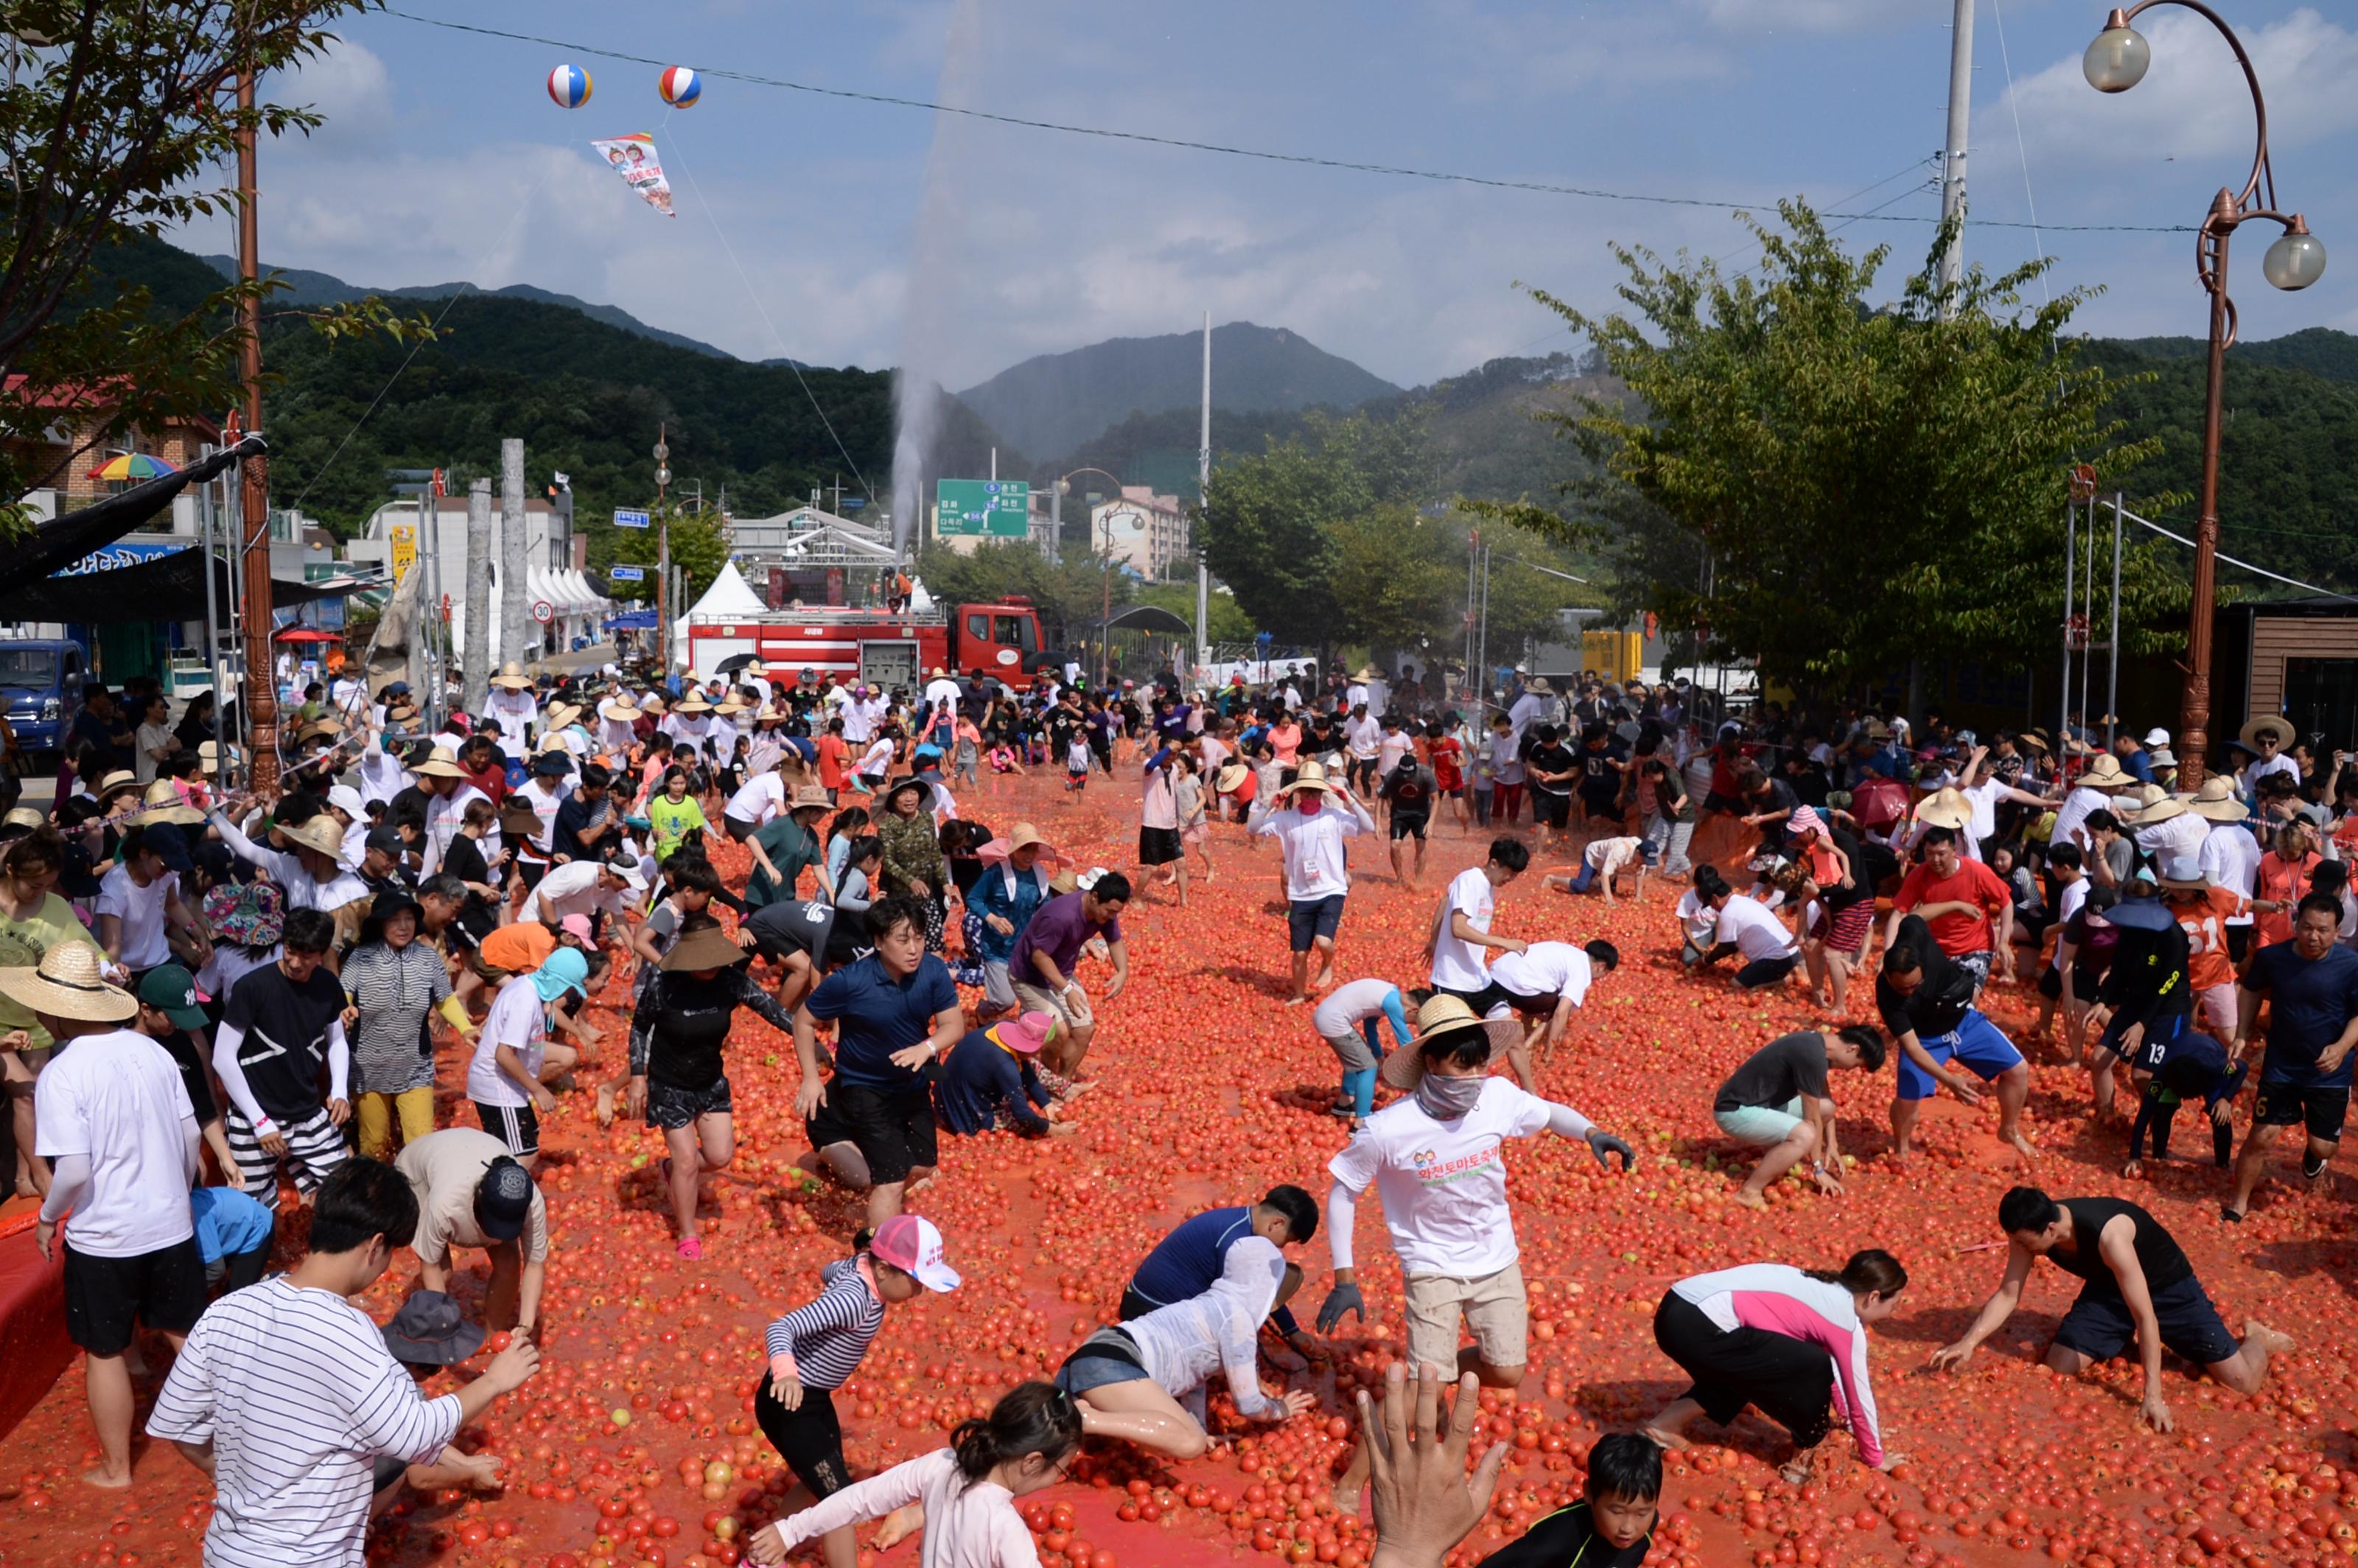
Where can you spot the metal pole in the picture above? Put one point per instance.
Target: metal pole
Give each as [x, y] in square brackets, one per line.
[1952, 160]
[2070, 561]
[2088, 616]
[1203, 499]
[1482, 643]
[2194, 706]
[212, 620]
[2112, 646]
[253, 521]
[232, 535]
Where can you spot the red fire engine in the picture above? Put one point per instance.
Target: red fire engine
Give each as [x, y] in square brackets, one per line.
[875, 646]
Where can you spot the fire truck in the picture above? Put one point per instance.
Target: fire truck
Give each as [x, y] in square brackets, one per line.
[875, 646]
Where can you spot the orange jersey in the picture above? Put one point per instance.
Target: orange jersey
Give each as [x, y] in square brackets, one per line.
[2205, 925]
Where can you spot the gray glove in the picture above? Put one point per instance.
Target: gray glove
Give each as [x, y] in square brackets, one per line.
[1602, 1144]
[1343, 1298]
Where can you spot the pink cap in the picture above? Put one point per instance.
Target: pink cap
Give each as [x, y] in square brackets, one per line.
[1805, 821]
[577, 925]
[913, 1246]
[1025, 1032]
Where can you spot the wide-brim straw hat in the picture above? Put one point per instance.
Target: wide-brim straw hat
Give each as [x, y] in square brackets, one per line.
[1539, 685]
[732, 705]
[711, 949]
[1439, 1018]
[1946, 808]
[560, 715]
[320, 833]
[121, 781]
[650, 703]
[512, 678]
[1232, 778]
[1021, 835]
[2216, 801]
[161, 802]
[622, 708]
[442, 763]
[2154, 803]
[692, 703]
[1311, 776]
[69, 982]
[2107, 772]
[2275, 724]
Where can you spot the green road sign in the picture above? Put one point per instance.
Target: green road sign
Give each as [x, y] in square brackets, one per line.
[998, 508]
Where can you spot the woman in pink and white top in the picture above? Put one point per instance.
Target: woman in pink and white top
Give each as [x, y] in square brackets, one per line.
[1783, 1339]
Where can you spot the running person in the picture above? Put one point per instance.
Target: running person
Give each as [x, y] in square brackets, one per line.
[2140, 1290]
[1317, 868]
[2311, 982]
[1926, 999]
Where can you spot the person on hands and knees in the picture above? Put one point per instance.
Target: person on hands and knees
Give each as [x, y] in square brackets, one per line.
[1188, 1262]
[473, 1193]
[286, 1395]
[2140, 1290]
[1786, 1340]
[1779, 1099]
[1436, 1160]
[1612, 1526]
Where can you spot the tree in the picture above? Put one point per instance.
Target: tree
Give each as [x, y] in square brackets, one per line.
[118, 122]
[1267, 531]
[1229, 626]
[1069, 593]
[699, 548]
[1834, 489]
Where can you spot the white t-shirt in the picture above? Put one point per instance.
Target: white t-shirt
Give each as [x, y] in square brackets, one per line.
[1316, 866]
[516, 1020]
[1699, 918]
[1756, 934]
[572, 889]
[119, 1098]
[1364, 736]
[1982, 797]
[1545, 968]
[298, 1397]
[1443, 1188]
[1456, 963]
[2231, 859]
[2074, 812]
[2068, 900]
[763, 797]
[141, 910]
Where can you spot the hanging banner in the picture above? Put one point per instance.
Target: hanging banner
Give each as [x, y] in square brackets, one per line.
[634, 158]
[405, 548]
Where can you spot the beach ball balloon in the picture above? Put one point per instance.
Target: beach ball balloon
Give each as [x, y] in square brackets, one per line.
[569, 85]
[680, 87]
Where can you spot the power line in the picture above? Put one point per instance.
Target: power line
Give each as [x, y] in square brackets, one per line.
[1262, 154]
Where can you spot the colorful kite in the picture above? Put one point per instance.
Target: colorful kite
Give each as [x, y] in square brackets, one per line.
[634, 158]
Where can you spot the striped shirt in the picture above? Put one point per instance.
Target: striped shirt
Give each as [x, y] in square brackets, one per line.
[395, 988]
[827, 1337]
[298, 1397]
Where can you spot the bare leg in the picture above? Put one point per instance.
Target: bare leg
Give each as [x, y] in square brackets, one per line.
[2250, 1166]
[1669, 1428]
[1903, 1125]
[107, 1380]
[842, 1160]
[1139, 1411]
[1323, 946]
[1300, 991]
[1779, 1159]
[2013, 1091]
[884, 1201]
[2244, 1370]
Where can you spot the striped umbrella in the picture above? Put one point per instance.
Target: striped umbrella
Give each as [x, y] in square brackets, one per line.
[132, 465]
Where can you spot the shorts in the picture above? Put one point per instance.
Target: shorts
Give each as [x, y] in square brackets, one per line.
[1844, 929]
[1306, 920]
[1762, 972]
[105, 1296]
[2099, 1325]
[1550, 810]
[2152, 1048]
[1409, 823]
[1159, 846]
[809, 1438]
[2322, 1110]
[518, 1125]
[1762, 1126]
[1351, 1049]
[491, 974]
[529, 872]
[2220, 1007]
[1071, 1007]
[1492, 1306]
[315, 1146]
[893, 1129]
[1108, 1356]
[738, 829]
[1976, 965]
[672, 1107]
[1976, 1043]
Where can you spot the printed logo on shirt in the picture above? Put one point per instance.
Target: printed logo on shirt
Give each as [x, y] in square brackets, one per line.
[1434, 1172]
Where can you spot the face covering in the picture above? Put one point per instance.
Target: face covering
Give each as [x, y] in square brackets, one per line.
[1308, 802]
[1447, 1100]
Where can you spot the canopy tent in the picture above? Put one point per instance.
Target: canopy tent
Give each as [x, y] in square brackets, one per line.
[729, 598]
[1151, 618]
[59, 543]
[162, 588]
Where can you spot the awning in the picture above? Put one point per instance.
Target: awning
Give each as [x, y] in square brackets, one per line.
[59, 544]
[162, 588]
[1144, 617]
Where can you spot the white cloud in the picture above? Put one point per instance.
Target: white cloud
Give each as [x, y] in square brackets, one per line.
[1800, 15]
[2193, 103]
[349, 84]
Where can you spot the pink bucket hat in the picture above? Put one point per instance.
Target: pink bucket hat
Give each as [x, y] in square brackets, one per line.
[1026, 1031]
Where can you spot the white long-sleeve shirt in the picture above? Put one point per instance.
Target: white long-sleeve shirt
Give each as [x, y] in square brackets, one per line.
[968, 1524]
[1184, 1344]
[1316, 866]
[285, 868]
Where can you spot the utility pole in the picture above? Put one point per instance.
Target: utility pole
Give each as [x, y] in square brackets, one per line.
[476, 658]
[515, 598]
[1952, 161]
[1203, 499]
[254, 516]
[663, 592]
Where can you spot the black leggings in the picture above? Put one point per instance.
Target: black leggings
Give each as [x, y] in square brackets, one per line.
[1790, 1382]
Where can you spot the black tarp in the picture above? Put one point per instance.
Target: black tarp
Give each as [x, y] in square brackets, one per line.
[60, 542]
[161, 588]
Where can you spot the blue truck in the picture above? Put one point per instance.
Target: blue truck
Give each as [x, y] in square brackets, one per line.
[40, 685]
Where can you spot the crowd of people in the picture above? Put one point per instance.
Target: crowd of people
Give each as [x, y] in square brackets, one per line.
[219, 1001]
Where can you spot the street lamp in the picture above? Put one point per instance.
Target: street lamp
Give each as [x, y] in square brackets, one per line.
[2116, 63]
[1105, 636]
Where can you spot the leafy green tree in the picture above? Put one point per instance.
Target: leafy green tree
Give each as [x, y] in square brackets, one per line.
[699, 548]
[1835, 489]
[1230, 626]
[1069, 594]
[1268, 532]
[120, 121]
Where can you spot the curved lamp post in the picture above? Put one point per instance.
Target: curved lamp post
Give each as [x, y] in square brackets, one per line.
[2116, 63]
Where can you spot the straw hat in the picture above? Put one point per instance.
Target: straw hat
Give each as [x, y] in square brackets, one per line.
[1876, 730]
[121, 781]
[1232, 778]
[731, 705]
[1368, 671]
[26, 817]
[560, 715]
[711, 949]
[68, 983]
[162, 803]
[1021, 835]
[209, 751]
[442, 765]
[1311, 775]
[2150, 803]
[760, 671]
[2216, 801]
[650, 703]
[693, 703]
[512, 678]
[1946, 808]
[1439, 1019]
[2035, 740]
[1537, 686]
[2105, 773]
[2275, 724]
[320, 833]
[622, 708]
[809, 797]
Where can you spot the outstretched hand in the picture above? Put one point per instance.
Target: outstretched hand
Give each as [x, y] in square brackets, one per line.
[1425, 1501]
[1602, 1144]
[1344, 1297]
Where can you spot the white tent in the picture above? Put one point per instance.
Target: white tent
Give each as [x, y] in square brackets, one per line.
[729, 598]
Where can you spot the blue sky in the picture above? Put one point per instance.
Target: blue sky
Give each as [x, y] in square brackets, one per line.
[877, 235]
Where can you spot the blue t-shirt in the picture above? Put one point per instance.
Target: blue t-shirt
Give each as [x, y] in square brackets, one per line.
[879, 1016]
[228, 1222]
[2313, 1002]
[1187, 1262]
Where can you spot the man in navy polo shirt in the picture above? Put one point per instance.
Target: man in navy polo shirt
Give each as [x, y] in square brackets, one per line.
[2311, 985]
[897, 1011]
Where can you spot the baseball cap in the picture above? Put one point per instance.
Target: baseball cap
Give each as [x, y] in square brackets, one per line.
[2156, 736]
[577, 925]
[169, 844]
[385, 842]
[913, 1246]
[170, 991]
[503, 1199]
